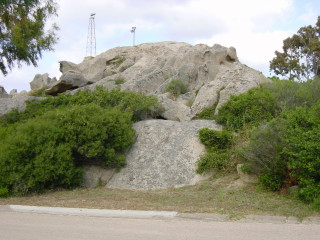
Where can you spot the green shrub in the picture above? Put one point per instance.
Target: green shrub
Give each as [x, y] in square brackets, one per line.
[302, 138]
[4, 192]
[214, 160]
[217, 146]
[271, 182]
[208, 113]
[215, 139]
[141, 106]
[177, 87]
[45, 152]
[263, 154]
[251, 108]
[290, 94]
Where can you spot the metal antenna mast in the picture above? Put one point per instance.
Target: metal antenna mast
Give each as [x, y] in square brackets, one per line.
[133, 30]
[91, 39]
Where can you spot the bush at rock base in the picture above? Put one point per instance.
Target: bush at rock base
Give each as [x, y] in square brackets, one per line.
[43, 147]
[45, 152]
[217, 146]
[282, 121]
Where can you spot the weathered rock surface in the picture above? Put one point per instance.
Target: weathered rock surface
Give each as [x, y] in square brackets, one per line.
[164, 155]
[42, 80]
[17, 102]
[69, 80]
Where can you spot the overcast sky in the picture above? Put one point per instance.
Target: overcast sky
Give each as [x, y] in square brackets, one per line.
[255, 28]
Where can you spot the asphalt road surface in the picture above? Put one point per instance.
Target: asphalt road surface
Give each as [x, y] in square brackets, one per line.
[34, 226]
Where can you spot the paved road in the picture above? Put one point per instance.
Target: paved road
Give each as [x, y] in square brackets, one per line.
[34, 226]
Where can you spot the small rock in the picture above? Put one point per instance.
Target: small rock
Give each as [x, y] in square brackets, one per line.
[95, 176]
[245, 177]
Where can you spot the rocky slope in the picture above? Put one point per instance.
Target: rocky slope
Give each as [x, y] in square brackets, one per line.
[165, 153]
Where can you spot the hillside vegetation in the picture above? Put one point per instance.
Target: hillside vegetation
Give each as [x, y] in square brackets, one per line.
[276, 135]
[44, 147]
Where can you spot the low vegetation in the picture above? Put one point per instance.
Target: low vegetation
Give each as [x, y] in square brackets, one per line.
[44, 147]
[177, 87]
[118, 81]
[215, 195]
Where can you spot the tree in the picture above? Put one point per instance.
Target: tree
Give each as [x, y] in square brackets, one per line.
[300, 59]
[23, 34]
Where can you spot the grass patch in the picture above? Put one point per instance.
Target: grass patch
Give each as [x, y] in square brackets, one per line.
[39, 92]
[210, 196]
[117, 81]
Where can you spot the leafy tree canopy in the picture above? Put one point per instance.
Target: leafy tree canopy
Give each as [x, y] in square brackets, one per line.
[23, 35]
[300, 59]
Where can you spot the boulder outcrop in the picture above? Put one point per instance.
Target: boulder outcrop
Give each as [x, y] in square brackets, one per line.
[69, 80]
[42, 80]
[165, 152]
[164, 155]
[211, 74]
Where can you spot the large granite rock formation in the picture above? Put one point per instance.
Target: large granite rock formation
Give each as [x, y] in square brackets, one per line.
[212, 74]
[165, 152]
[164, 155]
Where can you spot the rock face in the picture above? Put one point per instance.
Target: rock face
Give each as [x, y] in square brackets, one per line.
[16, 102]
[3, 93]
[211, 74]
[41, 80]
[69, 80]
[164, 155]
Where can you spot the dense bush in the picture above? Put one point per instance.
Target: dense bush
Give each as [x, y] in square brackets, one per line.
[251, 108]
[215, 139]
[263, 155]
[217, 146]
[45, 152]
[286, 152]
[177, 87]
[213, 160]
[140, 105]
[302, 137]
[290, 94]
